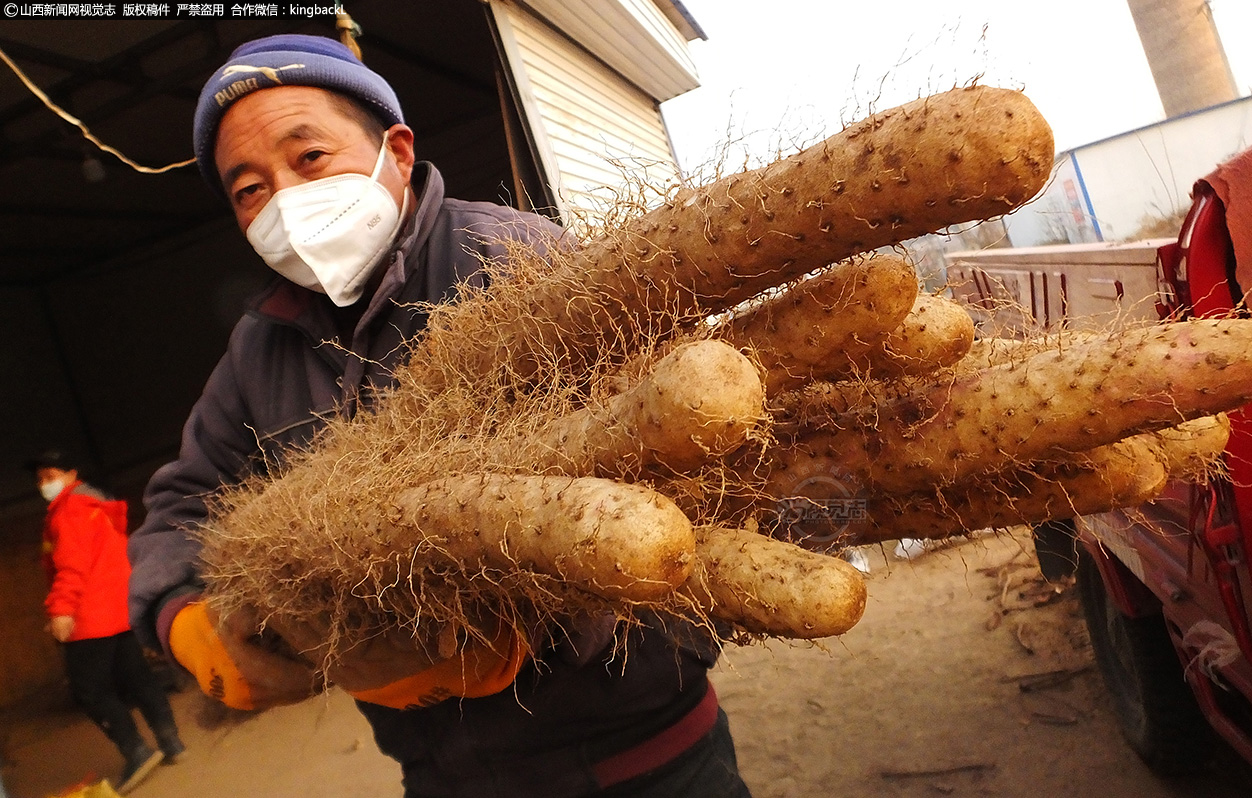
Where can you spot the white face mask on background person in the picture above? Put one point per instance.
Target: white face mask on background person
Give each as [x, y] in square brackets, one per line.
[51, 489]
[328, 234]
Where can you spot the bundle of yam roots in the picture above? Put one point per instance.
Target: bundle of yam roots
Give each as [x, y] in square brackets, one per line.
[689, 415]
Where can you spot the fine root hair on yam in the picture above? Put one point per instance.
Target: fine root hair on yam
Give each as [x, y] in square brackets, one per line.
[985, 353]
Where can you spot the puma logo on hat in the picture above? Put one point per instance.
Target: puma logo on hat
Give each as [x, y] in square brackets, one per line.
[269, 72]
[241, 87]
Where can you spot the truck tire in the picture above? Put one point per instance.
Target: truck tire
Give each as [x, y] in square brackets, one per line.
[1056, 549]
[1155, 708]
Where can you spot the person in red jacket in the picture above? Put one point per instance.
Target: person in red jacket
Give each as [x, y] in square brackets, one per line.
[84, 555]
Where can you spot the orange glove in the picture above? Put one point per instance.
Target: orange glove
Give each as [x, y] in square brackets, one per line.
[479, 670]
[194, 642]
[234, 662]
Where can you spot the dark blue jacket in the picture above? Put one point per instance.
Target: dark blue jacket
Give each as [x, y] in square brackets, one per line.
[270, 392]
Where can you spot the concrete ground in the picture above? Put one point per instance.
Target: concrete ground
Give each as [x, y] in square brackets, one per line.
[968, 676]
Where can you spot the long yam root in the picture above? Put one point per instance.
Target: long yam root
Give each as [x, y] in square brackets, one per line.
[1121, 474]
[1192, 450]
[618, 541]
[966, 154]
[475, 489]
[435, 552]
[772, 587]
[935, 334]
[824, 325]
[1055, 401]
[701, 401]
[1118, 475]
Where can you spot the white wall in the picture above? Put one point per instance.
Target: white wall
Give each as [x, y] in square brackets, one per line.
[1126, 179]
[600, 137]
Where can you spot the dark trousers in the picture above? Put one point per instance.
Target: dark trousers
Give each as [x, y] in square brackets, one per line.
[709, 769]
[107, 676]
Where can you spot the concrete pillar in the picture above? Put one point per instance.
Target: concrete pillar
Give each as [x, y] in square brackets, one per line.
[1185, 54]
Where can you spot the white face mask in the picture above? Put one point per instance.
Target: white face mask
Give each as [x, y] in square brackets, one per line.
[328, 235]
[51, 489]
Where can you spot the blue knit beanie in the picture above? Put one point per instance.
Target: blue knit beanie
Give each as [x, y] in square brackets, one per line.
[285, 60]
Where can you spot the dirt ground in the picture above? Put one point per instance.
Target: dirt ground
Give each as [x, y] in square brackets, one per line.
[968, 676]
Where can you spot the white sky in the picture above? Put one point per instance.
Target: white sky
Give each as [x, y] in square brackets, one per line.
[785, 72]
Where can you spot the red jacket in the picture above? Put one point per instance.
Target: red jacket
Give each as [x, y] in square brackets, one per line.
[84, 554]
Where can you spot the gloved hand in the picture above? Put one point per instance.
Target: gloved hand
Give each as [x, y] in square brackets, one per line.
[230, 664]
[478, 670]
[396, 671]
